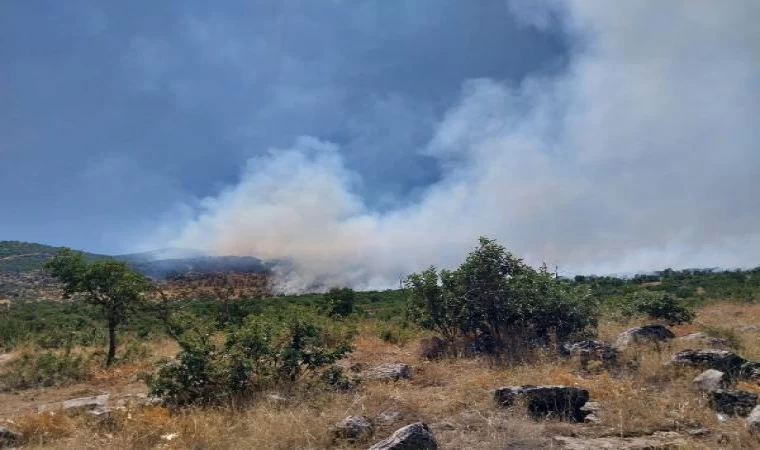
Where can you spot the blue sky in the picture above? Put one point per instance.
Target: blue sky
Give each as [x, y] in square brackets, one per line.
[366, 139]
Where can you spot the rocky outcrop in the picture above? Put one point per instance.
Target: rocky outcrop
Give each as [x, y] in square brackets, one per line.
[416, 436]
[722, 360]
[733, 402]
[8, 438]
[711, 380]
[644, 335]
[393, 372]
[78, 405]
[564, 402]
[353, 428]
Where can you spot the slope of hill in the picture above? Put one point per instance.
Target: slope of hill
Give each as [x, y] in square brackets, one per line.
[187, 271]
[16, 257]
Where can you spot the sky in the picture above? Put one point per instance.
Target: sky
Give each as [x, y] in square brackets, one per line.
[362, 140]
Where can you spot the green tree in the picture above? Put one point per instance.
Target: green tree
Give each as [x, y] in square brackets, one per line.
[109, 284]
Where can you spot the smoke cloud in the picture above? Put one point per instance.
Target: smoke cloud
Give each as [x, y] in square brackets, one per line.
[641, 154]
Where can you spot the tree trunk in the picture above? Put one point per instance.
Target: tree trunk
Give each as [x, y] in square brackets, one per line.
[111, 343]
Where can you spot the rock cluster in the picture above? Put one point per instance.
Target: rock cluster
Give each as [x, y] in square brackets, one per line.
[564, 402]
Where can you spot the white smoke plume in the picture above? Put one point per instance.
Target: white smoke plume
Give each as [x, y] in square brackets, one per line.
[643, 153]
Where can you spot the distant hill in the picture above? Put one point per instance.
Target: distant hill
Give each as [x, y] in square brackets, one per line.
[22, 277]
[16, 257]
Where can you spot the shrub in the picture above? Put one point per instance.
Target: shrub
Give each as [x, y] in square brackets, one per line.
[47, 369]
[256, 356]
[658, 306]
[495, 294]
[339, 302]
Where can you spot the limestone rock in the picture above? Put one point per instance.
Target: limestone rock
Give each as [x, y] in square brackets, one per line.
[643, 335]
[710, 380]
[722, 360]
[591, 350]
[564, 402]
[416, 436]
[733, 402]
[392, 372]
[352, 427]
[78, 405]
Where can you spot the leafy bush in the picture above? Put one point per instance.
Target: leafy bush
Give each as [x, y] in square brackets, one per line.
[256, 356]
[47, 369]
[339, 302]
[658, 306]
[495, 294]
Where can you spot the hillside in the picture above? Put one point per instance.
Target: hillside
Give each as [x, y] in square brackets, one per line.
[187, 271]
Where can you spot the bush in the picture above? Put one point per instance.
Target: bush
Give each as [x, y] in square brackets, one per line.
[658, 306]
[254, 357]
[47, 369]
[495, 294]
[339, 302]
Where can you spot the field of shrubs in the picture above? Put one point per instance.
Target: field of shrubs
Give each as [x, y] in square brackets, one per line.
[494, 354]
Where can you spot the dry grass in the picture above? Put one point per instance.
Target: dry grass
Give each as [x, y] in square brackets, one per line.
[455, 397]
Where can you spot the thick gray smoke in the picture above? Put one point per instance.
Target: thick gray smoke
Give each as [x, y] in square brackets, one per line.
[642, 154]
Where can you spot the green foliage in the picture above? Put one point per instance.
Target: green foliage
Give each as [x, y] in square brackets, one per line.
[255, 356]
[496, 294]
[16, 257]
[46, 369]
[658, 306]
[109, 284]
[339, 302]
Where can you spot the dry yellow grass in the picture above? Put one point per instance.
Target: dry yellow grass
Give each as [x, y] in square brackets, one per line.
[454, 396]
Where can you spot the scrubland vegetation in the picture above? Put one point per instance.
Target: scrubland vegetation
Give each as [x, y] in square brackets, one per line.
[280, 372]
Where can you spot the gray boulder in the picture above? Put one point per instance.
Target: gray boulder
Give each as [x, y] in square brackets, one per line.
[710, 380]
[733, 402]
[352, 427]
[753, 420]
[416, 436]
[644, 335]
[722, 360]
[392, 372]
[564, 402]
[8, 438]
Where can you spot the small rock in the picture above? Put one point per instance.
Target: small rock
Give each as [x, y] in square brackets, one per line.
[733, 402]
[591, 407]
[8, 437]
[753, 420]
[728, 362]
[393, 372]
[277, 399]
[710, 380]
[592, 419]
[706, 339]
[591, 350]
[644, 334]
[564, 402]
[750, 328]
[352, 428]
[416, 436]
